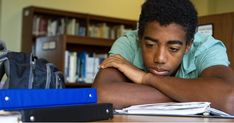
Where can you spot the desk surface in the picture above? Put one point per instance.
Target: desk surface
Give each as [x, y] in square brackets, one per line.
[138, 118]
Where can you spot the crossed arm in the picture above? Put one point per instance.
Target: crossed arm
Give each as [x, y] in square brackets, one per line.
[113, 87]
[215, 84]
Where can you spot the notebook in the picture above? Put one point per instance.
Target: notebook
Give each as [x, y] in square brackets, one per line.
[16, 99]
[201, 109]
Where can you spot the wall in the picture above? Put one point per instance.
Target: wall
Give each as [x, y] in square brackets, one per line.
[223, 6]
[201, 6]
[10, 19]
[10, 12]
[208, 7]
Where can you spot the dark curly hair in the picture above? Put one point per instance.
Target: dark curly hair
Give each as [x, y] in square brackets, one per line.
[165, 12]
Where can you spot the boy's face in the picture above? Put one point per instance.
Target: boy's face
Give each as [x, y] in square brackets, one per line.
[163, 47]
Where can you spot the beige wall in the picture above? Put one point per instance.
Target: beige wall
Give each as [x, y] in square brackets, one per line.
[208, 7]
[223, 6]
[10, 19]
[10, 12]
[201, 6]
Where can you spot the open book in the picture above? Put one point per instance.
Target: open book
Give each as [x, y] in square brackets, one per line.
[172, 108]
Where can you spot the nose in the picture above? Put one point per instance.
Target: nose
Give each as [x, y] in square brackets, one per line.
[160, 56]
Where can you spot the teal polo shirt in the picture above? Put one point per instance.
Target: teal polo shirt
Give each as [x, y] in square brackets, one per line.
[204, 52]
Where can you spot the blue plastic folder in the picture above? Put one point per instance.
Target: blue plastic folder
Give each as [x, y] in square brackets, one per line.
[16, 99]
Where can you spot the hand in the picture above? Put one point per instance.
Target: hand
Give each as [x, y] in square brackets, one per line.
[129, 70]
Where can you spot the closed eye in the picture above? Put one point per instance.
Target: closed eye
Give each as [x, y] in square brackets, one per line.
[149, 42]
[148, 45]
[172, 49]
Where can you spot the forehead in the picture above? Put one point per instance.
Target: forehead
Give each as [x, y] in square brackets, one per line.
[164, 32]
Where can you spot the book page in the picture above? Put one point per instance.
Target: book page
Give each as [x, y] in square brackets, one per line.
[9, 117]
[171, 108]
[177, 109]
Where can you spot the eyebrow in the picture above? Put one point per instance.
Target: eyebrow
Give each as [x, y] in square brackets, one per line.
[169, 42]
[151, 39]
[175, 42]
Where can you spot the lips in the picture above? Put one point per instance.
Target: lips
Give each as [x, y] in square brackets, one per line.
[159, 72]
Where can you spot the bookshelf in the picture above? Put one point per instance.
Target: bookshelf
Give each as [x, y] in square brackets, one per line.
[49, 33]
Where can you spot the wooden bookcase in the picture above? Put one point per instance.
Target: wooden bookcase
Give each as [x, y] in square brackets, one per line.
[53, 47]
[223, 29]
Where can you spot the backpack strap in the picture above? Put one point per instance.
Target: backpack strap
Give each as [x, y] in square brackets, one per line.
[2, 72]
[59, 79]
[3, 47]
[32, 67]
[48, 76]
[4, 65]
[4, 69]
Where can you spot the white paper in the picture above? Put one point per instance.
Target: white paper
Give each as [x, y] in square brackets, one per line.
[172, 108]
[9, 117]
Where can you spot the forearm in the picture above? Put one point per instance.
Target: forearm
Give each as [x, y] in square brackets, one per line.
[213, 89]
[116, 90]
[123, 94]
[188, 89]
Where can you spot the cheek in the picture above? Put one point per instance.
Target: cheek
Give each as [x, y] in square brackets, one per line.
[176, 60]
[147, 57]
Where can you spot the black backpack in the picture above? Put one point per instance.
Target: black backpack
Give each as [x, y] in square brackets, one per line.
[27, 71]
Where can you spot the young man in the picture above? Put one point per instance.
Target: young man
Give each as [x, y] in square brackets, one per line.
[164, 61]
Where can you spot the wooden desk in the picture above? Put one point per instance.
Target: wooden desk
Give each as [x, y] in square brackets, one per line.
[138, 118]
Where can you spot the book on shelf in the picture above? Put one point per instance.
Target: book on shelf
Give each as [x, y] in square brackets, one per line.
[81, 66]
[175, 109]
[71, 27]
[57, 26]
[97, 30]
[44, 25]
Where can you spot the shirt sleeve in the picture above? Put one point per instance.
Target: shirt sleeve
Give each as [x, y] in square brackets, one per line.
[215, 55]
[123, 47]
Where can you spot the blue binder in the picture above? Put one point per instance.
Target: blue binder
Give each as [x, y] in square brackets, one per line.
[16, 99]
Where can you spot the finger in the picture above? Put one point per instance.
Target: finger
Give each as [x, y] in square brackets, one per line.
[111, 63]
[106, 61]
[110, 59]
